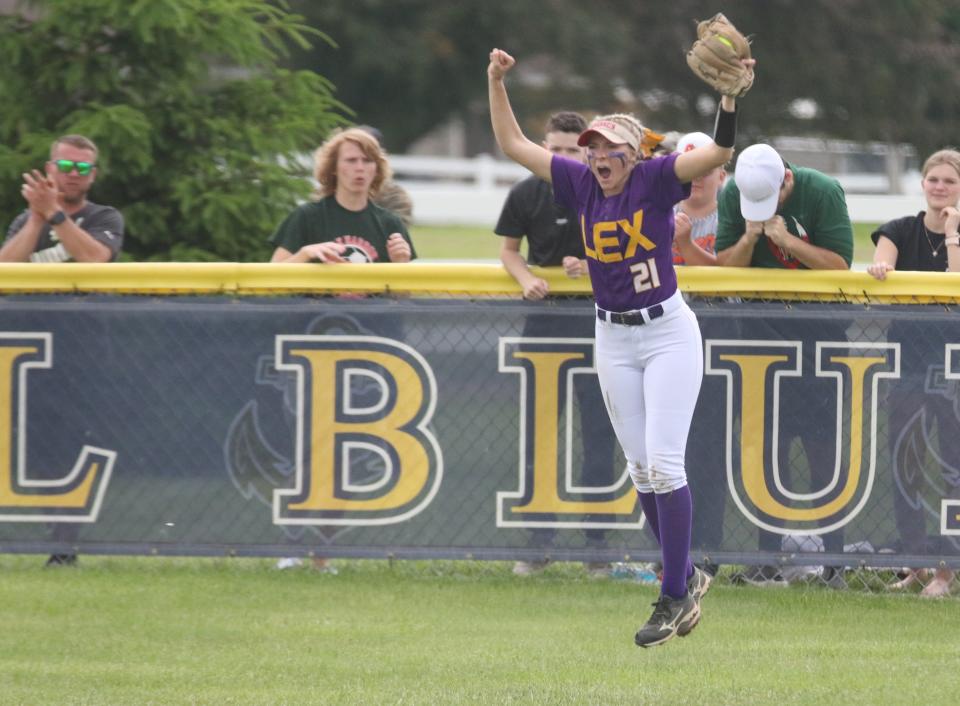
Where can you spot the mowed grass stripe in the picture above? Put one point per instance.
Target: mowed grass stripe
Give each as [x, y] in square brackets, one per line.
[160, 630]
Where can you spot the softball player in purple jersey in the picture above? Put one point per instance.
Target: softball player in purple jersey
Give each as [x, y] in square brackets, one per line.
[649, 353]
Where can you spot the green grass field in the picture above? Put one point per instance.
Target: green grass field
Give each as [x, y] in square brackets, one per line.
[237, 631]
[479, 243]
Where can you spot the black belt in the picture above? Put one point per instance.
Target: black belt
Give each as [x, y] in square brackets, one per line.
[630, 319]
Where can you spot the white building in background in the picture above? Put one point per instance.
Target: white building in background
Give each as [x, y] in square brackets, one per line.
[471, 191]
[882, 181]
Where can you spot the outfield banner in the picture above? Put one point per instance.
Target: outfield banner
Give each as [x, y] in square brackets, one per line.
[433, 427]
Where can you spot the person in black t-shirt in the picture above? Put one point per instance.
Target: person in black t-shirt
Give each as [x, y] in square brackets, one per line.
[927, 242]
[554, 240]
[552, 232]
[60, 224]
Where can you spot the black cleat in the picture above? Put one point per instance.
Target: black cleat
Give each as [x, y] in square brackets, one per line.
[671, 617]
[698, 584]
[62, 560]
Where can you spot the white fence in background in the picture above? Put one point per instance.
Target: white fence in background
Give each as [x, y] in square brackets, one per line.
[455, 191]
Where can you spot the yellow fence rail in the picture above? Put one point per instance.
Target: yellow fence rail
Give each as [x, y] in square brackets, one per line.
[461, 279]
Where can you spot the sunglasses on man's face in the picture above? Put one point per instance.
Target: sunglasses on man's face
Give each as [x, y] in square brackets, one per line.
[65, 166]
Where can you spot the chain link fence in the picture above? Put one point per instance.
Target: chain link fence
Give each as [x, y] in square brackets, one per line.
[439, 425]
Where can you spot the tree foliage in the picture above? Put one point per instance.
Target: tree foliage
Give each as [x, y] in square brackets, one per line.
[874, 71]
[405, 65]
[197, 123]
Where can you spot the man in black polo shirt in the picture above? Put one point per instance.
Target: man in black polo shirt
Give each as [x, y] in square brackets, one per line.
[554, 240]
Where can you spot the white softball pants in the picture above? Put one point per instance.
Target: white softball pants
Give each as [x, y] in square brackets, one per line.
[650, 376]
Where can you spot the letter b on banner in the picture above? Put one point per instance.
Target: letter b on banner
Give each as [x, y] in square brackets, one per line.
[364, 454]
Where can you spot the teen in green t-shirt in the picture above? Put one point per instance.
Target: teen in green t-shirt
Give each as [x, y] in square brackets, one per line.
[345, 225]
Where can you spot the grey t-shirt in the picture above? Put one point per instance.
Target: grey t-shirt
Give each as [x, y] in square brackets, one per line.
[103, 223]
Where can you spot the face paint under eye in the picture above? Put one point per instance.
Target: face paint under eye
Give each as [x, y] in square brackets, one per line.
[622, 156]
[593, 154]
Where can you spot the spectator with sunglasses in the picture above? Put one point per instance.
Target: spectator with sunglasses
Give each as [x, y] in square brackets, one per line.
[60, 224]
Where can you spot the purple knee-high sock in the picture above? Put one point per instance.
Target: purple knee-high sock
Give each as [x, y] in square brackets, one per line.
[675, 515]
[648, 503]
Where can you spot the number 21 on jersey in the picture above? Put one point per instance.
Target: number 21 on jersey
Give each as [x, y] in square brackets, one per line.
[645, 275]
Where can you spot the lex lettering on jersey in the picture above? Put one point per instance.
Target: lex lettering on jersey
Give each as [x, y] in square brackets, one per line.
[604, 244]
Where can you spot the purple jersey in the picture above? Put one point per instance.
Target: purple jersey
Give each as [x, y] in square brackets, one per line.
[628, 238]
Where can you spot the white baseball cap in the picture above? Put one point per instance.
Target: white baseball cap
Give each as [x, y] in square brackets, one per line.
[759, 176]
[692, 140]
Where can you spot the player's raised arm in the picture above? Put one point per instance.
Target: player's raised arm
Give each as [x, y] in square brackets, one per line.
[505, 127]
[702, 160]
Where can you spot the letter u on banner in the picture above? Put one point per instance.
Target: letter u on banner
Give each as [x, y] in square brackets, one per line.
[755, 372]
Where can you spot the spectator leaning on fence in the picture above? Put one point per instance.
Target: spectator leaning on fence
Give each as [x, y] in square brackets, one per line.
[792, 217]
[695, 228]
[926, 242]
[60, 224]
[776, 215]
[552, 231]
[344, 225]
[553, 240]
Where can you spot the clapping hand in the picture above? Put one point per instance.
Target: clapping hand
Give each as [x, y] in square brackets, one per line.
[40, 193]
[682, 229]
